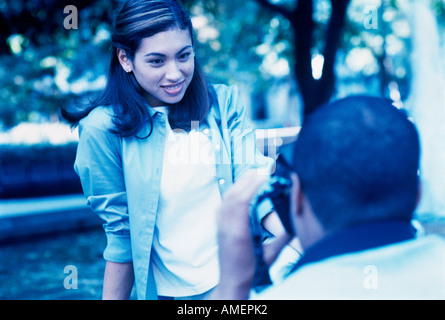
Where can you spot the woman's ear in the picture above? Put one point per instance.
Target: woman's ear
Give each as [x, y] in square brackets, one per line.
[124, 60]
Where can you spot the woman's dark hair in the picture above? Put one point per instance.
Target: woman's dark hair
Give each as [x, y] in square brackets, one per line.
[136, 20]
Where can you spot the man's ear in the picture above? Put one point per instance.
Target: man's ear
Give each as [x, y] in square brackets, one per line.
[307, 226]
[419, 192]
[296, 195]
[124, 60]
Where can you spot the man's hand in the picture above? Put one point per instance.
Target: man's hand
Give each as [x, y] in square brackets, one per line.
[237, 262]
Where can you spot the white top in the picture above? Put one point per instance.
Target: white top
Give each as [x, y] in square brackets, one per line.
[185, 259]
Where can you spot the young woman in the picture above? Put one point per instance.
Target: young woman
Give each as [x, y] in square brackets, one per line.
[156, 151]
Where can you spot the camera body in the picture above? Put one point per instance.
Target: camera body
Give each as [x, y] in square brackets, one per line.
[277, 190]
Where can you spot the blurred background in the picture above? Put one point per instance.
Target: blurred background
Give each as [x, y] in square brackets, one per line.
[286, 56]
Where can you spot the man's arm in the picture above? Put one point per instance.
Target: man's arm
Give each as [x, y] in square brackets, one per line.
[237, 262]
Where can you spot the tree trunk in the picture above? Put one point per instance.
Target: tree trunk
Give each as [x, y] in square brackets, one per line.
[314, 92]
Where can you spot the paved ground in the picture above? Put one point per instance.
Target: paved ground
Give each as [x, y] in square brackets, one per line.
[34, 269]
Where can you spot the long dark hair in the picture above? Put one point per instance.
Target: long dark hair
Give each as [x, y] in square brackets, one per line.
[136, 20]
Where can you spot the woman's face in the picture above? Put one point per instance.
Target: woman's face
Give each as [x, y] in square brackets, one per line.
[163, 65]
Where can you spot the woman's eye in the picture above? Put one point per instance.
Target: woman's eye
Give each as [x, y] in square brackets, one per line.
[155, 62]
[185, 56]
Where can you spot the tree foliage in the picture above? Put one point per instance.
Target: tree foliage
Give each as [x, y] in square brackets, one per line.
[43, 65]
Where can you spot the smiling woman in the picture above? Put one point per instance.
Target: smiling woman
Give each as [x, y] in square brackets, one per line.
[160, 210]
[136, 28]
[163, 66]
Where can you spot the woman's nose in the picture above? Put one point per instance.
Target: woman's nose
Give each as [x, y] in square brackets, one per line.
[173, 72]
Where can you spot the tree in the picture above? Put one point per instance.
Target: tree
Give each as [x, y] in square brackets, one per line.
[314, 92]
[40, 58]
[39, 20]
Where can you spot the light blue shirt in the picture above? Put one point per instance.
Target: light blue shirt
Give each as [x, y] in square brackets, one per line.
[121, 176]
[412, 269]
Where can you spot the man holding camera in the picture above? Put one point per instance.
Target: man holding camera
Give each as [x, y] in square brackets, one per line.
[354, 191]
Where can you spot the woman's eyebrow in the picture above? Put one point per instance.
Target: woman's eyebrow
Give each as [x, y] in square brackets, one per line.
[163, 55]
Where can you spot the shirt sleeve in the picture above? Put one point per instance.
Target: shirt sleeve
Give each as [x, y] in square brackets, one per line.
[245, 154]
[99, 166]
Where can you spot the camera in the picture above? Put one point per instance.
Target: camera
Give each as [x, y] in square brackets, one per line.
[277, 190]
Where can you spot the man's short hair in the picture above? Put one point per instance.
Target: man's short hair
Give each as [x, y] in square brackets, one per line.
[357, 159]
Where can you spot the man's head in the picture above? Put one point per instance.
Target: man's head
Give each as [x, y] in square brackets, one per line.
[357, 161]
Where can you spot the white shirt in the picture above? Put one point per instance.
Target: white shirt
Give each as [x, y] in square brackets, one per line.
[185, 258]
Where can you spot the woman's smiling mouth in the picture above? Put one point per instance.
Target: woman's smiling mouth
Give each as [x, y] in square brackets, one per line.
[173, 89]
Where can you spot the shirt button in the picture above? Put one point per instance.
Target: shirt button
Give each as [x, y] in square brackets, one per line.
[217, 147]
[221, 181]
[206, 131]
